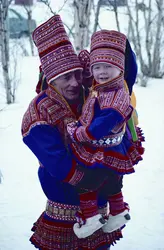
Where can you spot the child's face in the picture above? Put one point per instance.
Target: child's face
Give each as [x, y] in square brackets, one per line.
[104, 72]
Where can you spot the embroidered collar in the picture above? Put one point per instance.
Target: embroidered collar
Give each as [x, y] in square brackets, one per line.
[57, 98]
[54, 95]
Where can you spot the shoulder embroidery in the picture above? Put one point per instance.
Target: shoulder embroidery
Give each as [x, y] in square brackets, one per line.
[88, 111]
[105, 99]
[31, 118]
[121, 102]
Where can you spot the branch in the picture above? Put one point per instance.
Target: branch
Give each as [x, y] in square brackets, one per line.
[147, 41]
[65, 1]
[26, 8]
[47, 3]
[96, 14]
[70, 30]
[114, 5]
[10, 1]
[3, 108]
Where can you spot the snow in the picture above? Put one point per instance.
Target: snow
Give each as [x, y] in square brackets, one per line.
[144, 188]
[21, 197]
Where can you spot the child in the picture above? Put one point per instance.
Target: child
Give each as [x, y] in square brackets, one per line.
[101, 139]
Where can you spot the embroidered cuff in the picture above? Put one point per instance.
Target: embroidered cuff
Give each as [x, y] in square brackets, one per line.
[75, 175]
[82, 135]
[71, 127]
[126, 113]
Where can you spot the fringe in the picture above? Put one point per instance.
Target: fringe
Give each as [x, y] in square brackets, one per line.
[55, 235]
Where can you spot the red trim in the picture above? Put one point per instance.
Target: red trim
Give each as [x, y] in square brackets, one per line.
[71, 173]
[54, 47]
[122, 164]
[89, 135]
[85, 135]
[50, 235]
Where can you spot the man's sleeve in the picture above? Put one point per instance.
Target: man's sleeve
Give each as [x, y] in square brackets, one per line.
[47, 145]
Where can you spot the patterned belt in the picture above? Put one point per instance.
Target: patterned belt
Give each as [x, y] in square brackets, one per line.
[60, 211]
[110, 141]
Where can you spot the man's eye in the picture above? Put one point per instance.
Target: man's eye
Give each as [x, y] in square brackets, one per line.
[67, 77]
[78, 76]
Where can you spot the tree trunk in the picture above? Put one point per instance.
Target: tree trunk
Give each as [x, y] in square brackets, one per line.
[29, 15]
[116, 15]
[147, 36]
[97, 16]
[148, 40]
[82, 22]
[5, 49]
[157, 53]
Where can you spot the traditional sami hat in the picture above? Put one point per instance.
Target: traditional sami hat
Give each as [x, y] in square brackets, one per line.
[84, 57]
[108, 46]
[56, 52]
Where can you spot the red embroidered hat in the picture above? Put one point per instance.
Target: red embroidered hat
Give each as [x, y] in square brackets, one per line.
[84, 58]
[108, 46]
[56, 52]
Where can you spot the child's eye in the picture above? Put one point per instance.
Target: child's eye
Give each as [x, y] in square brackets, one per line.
[96, 67]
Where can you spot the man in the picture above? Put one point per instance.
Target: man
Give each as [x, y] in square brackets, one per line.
[44, 132]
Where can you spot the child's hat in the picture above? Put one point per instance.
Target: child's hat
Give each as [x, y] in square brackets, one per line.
[108, 46]
[56, 52]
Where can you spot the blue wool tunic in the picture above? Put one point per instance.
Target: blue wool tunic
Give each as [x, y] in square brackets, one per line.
[46, 142]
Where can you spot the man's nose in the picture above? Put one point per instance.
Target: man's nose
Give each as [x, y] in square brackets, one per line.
[74, 82]
[103, 71]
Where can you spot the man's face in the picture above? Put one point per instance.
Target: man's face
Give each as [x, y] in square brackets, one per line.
[69, 84]
[104, 72]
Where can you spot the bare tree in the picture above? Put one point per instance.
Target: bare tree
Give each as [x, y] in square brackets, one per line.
[114, 5]
[146, 33]
[27, 5]
[48, 4]
[4, 45]
[82, 10]
[156, 61]
[80, 26]
[30, 27]
[145, 29]
[111, 5]
[97, 12]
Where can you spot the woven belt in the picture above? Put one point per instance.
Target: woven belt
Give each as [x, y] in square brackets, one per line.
[65, 212]
[110, 141]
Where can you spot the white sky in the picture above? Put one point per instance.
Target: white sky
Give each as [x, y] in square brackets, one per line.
[21, 197]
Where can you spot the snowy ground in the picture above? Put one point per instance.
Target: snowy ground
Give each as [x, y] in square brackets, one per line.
[21, 198]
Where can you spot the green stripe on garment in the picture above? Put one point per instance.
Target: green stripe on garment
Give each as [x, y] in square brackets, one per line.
[132, 129]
